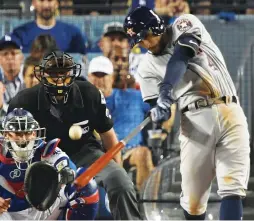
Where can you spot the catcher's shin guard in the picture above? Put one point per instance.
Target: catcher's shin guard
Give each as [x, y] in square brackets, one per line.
[82, 204]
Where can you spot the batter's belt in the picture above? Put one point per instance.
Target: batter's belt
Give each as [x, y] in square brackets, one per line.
[201, 103]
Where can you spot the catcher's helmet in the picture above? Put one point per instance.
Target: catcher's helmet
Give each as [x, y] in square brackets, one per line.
[141, 21]
[22, 135]
[57, 73]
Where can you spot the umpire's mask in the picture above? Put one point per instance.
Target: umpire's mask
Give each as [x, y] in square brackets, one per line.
[57, 73]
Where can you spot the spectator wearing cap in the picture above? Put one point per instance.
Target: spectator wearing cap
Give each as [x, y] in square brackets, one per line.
[115, 36]
[100, 74]
[11, 61]
[68, 37]
[127, 110]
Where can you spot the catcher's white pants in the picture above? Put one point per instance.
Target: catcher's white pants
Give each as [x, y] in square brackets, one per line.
[33, 214]
[214, 142]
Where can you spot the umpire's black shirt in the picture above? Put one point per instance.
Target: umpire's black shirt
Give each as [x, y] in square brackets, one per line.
[85, 104]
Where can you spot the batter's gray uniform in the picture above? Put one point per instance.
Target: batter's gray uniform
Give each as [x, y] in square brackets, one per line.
[214, 140]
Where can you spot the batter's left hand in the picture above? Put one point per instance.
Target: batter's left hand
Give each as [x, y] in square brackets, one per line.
[161, 112]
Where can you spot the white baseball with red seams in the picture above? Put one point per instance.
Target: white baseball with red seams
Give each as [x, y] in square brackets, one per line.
[75, 132]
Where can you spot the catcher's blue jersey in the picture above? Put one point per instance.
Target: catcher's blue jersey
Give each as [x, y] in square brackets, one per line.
[12, 178]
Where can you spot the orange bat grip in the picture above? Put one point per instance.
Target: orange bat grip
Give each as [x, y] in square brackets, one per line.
[98, 165]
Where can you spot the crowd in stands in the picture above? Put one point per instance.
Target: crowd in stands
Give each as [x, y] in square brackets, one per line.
[163, 7]
[113, 72]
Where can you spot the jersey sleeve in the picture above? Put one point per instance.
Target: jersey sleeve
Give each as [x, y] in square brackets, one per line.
[148, 83]
[187, 25]
[103, 121]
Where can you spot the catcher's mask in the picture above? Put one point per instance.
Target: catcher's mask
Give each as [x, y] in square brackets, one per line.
[57, 73]
[22, 135]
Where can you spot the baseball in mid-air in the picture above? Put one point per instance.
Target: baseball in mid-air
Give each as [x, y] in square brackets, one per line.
[75, 132]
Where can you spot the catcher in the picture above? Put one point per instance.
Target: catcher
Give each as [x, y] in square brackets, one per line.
[36, 178]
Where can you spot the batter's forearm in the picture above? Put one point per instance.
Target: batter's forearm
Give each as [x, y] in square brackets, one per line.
[176, 67]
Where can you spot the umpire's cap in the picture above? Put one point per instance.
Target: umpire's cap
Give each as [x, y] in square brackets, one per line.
[140, 21]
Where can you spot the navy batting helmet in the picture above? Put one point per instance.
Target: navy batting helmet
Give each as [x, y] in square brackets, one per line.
[141, 21]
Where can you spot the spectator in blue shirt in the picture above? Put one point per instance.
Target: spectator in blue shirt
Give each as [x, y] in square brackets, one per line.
[68, 37]
[127, 110]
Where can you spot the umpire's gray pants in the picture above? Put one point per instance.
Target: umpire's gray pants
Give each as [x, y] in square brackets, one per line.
[119, 187]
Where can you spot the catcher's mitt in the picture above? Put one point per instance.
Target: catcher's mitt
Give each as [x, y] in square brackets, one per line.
[42, 185]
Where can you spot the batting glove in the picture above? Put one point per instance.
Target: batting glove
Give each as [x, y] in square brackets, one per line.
[162, 112]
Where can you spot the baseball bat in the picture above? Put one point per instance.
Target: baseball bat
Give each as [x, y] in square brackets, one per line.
[101, 162]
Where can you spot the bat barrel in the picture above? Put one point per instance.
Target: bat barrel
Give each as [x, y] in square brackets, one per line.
[98, 165]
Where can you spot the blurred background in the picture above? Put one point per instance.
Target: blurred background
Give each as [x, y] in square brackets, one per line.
[91, 31]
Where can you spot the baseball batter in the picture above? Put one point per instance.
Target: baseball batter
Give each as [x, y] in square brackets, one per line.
[184, 65]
